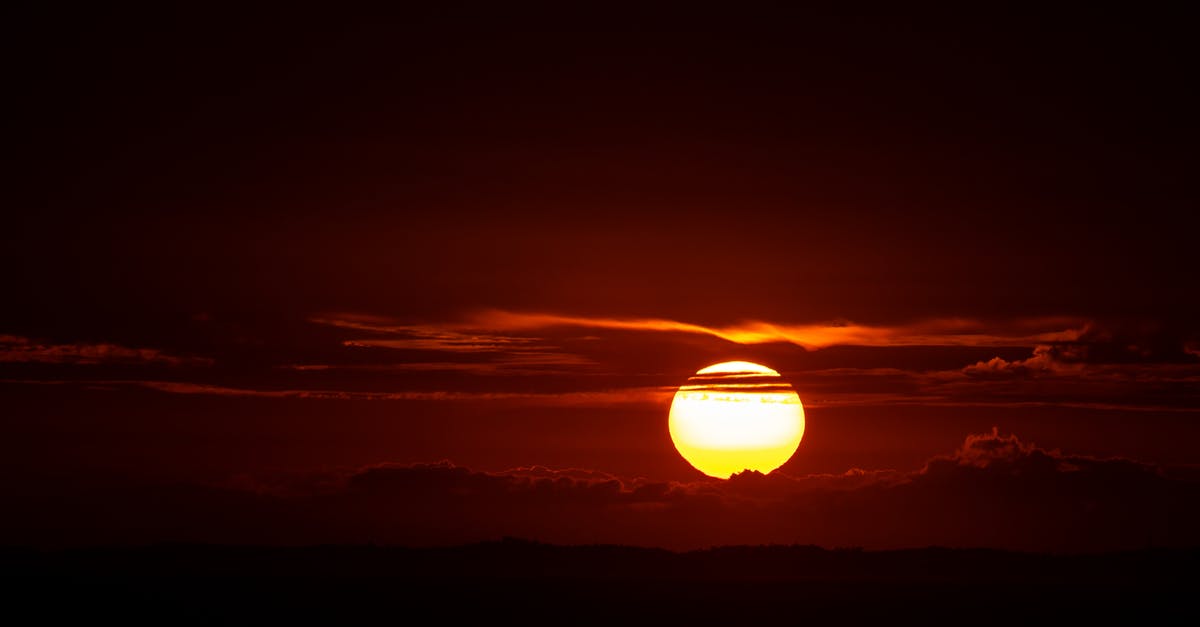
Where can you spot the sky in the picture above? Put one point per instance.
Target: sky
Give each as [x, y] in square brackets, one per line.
[443, 271]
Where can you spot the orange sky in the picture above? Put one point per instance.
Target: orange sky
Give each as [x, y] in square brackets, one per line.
[504, 243]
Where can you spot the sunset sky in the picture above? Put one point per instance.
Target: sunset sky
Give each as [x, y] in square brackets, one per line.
[435, 277]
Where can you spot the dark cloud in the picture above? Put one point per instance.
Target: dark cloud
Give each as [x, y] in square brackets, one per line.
[17, 349]
[994, 491]
[1045, 359]
[1141, 341]
[1099, 345]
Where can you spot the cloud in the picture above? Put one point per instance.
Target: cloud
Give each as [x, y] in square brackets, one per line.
[994, 490]
[567, 398]
[1040, 381]
[1101, 347]
[491, 352]
[1105, 368]
[17, 349]
[985, 450]
[481, 331]
[1045, 359]
[1073, 362]
[1136, 368]
[526, 363]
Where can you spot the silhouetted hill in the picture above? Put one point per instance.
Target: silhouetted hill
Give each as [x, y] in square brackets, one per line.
[515, 558]
[541, 583]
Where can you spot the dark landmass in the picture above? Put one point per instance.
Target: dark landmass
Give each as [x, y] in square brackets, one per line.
[547, 584]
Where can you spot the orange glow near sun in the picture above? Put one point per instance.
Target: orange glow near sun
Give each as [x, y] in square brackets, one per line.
[736, 416]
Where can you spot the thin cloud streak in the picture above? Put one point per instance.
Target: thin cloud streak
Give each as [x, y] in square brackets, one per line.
[425, 337]
[893, 400]
[522, 357]
[942, 332]
[506, 367]
[603, 397]
[660, 395]
[643, 394]
[17, 349]
[482, 331]
[507, 353]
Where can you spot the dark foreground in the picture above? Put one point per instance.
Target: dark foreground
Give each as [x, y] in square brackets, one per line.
[542, 584]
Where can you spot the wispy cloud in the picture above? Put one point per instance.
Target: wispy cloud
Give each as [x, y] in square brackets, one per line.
[1080, 365]
[509, 365]
[494, 352]
[940, 332]
[485, 331]
[17, 349]
[642, 394]
[929, 389]
[425, 337]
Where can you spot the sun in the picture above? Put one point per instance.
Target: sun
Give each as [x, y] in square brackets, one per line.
[736, 416]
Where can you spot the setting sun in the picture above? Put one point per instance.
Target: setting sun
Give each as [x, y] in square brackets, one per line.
[736, 416]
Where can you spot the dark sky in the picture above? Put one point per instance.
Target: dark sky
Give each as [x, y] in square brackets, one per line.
[261, 250]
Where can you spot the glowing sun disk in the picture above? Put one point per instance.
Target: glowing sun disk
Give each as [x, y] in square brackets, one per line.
[736, 416]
